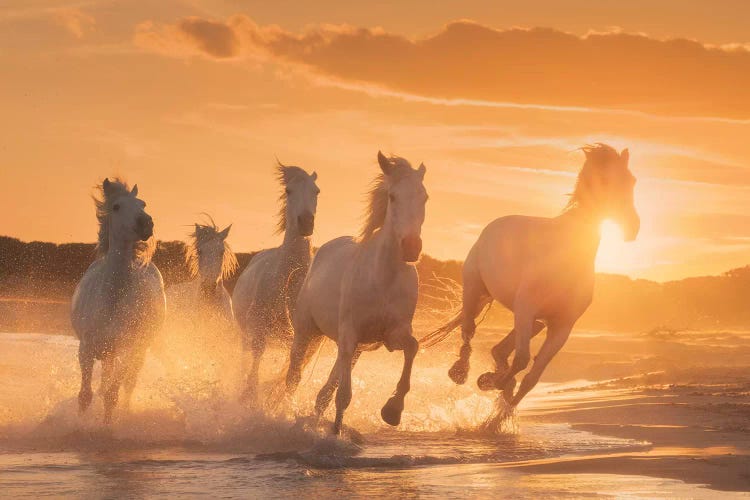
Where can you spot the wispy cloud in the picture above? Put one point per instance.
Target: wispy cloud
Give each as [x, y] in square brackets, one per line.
[77, 22]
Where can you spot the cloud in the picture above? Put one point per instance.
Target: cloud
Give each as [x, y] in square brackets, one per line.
[190, 36]
[468, 61]
[77, 22]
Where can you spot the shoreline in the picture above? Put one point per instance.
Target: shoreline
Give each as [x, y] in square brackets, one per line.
[699, 432]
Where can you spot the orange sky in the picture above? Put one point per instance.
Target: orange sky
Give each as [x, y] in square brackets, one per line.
[193, 100]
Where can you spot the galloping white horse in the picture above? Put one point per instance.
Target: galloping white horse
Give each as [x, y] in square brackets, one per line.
[210, 261]
[266, 292]
[542, 269]
[119, 303]
[363, 293]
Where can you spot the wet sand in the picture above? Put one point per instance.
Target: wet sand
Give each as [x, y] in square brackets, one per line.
[696, 421]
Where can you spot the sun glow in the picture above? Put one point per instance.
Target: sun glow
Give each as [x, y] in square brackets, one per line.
[611, 255]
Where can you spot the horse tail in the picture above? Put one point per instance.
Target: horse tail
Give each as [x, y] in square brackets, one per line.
[440, 334]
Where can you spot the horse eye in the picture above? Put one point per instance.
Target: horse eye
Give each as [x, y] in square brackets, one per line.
[116, 207]
[392, 197]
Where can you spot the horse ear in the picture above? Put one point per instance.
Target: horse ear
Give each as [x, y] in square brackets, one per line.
[385, 165]
[134, 191]
[314, 176]
[422, 170]
[625, 156]
[225, 232]
[106, 185]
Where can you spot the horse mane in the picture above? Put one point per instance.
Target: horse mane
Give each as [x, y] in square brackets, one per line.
[377, 197]
[598, 155]
[144, 250]
[200, 235]
[285, 174]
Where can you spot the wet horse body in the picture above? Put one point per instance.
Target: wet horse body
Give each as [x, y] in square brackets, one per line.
[363, 293]
[542, 269]
[119, 305]
[266, 291]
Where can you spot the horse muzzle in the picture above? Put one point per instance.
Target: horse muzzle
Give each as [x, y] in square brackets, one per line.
[411, 248]
[145, 227]
[306, 224]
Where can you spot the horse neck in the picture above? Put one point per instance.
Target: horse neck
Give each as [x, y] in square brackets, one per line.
[294, 259]
[120, 254]
[295, 248]
[118, 267]
[585, 224]
[388, 251]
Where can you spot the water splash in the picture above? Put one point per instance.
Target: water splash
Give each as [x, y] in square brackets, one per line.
[503, 419]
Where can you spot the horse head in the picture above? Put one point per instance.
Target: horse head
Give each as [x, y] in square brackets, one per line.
[299, 200]
[406, 200]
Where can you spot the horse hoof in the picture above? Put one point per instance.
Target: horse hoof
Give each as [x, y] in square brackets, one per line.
[458, 372]
[336, 429]
[391, 411]
[487, 381]
[84, 400]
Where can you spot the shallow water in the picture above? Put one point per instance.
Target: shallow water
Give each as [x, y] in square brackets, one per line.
[187, 434]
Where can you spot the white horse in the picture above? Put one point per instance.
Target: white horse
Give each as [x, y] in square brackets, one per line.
[210, 261]
[542, 269]
[119, 304]
[201, 339]
[363, 293]
[267, 289]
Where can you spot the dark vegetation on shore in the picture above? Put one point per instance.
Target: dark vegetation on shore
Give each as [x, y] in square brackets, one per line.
[37, 280]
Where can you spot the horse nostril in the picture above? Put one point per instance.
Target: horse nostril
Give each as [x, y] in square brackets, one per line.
[306, 223]
[145, 226]
[411, 247]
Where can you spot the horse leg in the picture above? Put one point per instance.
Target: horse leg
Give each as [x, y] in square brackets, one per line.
[306, 340]
[110, 386]
[556, 338]
[391, 411]
[500, 352]
[135, 363]
[523, 326]
[326, 393]
[258, 347]
[86, 360]
[347, 347]
[473, 300]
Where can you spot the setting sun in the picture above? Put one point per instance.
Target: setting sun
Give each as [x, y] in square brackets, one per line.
[613, 255]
